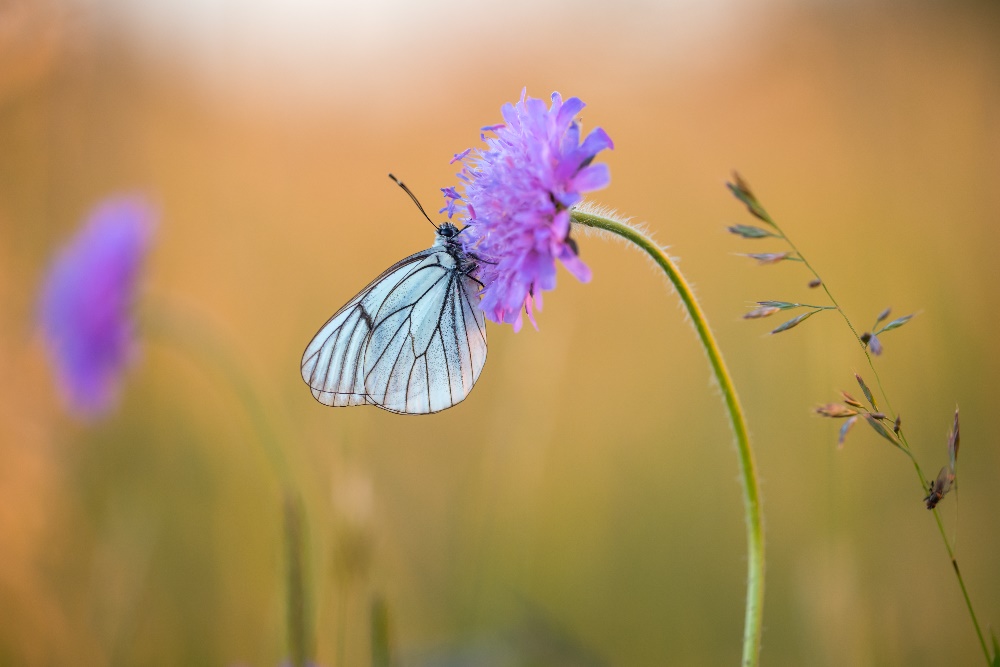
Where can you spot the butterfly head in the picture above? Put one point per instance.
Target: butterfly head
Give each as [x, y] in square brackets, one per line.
[447, 231]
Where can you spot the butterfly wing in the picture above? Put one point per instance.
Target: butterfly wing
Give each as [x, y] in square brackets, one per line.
[427, 345]
[332, 364]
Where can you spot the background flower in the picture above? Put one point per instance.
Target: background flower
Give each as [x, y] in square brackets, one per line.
[87, 299]
[517, 196]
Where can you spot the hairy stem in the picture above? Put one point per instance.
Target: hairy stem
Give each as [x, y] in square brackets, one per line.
[751, 492]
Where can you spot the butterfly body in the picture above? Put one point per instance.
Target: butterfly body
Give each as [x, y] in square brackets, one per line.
[413, 341]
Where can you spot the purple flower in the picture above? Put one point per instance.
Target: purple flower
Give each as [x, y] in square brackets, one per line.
[516, 198]
[87, 299]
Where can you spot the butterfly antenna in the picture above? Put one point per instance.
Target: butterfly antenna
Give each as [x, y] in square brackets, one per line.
[414, 198]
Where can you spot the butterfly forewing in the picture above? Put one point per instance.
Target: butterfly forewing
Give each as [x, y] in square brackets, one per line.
[413, 341]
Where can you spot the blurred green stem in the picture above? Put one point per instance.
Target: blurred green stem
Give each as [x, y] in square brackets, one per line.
[298, 640]
[902, 437]
[381, 636]
[751, 493]
[199, 342]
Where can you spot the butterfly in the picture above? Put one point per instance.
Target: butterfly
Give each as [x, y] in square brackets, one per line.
[412, 342]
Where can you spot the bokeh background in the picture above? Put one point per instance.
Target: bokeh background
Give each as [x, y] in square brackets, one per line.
[582, 507]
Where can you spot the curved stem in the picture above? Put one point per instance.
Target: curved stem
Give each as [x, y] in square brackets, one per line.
[751, 491]
[201, 344]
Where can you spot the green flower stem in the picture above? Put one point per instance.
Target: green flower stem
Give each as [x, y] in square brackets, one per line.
[295, 582]
[751, 491]
[902, 437]
[202, 344]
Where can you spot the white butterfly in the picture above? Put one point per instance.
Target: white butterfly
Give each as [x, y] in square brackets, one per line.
[412, 342]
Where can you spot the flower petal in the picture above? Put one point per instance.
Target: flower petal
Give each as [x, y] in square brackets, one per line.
[570, 109]
[594, 177]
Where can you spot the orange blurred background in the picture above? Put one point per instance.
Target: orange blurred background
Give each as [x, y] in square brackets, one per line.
[582, 506]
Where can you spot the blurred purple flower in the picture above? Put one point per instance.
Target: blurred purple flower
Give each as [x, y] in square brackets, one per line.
[516, 200]
[87, 299]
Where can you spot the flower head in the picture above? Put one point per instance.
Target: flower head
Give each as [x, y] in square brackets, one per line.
[86, 303]
[517, 195]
